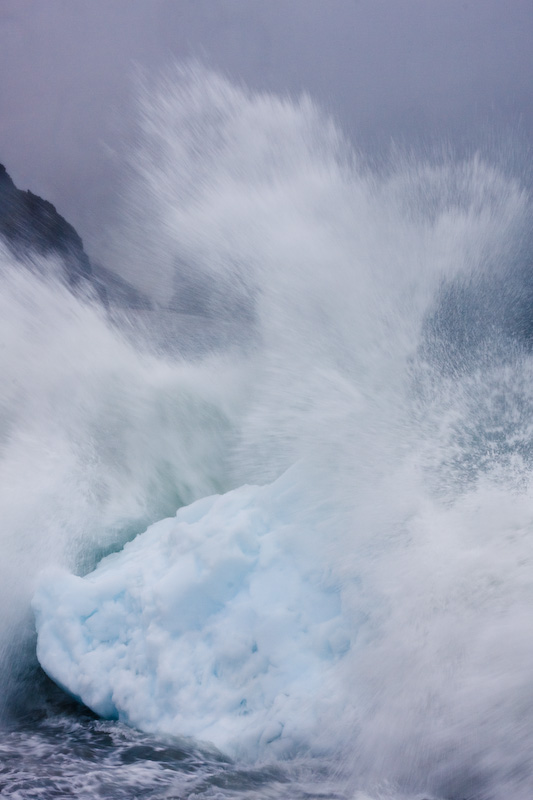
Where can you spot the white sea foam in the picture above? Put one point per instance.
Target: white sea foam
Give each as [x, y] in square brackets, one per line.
[378, 368]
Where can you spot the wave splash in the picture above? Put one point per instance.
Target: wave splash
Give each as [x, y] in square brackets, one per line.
[381, 351]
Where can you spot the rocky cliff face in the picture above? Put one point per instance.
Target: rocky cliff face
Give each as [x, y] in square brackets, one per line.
[31, 225]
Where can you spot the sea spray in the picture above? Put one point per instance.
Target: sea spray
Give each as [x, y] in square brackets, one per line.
[391, 315]
[382, 348]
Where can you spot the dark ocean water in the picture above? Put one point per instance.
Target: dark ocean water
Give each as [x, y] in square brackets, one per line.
[66, 751]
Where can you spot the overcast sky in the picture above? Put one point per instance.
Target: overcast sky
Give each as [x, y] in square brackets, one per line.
[411, 70]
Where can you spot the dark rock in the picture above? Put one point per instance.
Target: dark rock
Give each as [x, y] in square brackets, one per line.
[30, 224]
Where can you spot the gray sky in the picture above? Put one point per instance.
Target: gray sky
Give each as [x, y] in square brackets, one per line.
[412, 70]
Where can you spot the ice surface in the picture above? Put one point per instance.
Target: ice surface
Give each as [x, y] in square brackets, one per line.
[211, 624]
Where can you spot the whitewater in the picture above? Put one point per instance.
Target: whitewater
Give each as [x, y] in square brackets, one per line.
[275, 533]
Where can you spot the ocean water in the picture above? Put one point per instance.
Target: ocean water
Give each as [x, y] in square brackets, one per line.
[366, 329]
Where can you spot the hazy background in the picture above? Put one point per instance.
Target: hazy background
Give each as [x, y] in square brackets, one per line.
[416, 71]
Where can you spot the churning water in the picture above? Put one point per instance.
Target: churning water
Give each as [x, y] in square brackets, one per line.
[374, 335]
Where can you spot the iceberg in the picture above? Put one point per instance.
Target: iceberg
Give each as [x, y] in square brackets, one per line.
[212, 624]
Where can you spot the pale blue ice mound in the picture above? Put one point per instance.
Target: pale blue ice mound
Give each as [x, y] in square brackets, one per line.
[212, 624]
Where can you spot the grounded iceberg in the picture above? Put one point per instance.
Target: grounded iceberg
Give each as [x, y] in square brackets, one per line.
[210, 624]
